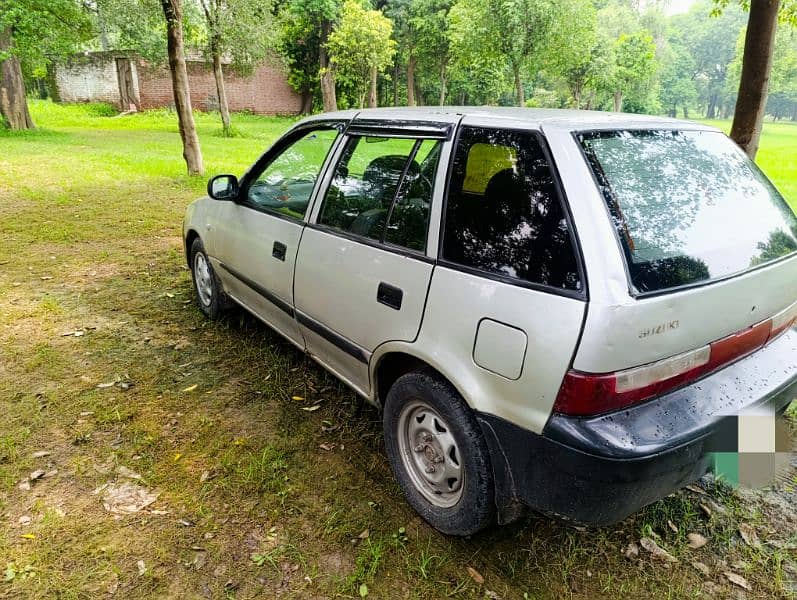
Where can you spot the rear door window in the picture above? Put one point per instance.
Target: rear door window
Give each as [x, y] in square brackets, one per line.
[504, 215]
[688, 206]
[382, 190]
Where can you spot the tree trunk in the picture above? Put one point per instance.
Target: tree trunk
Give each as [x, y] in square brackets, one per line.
[443, 84]
[372, 89]
[711, 111]
[13, 105]
[182, 97]
[577, 96]
[328, 95]
[411, 64]
[519, 92]
[618, 101]
[218, 74]
[686, 112]
[396, 69]
[759, 44]
[307, 101]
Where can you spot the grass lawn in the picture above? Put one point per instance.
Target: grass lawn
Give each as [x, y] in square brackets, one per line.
[107, 365]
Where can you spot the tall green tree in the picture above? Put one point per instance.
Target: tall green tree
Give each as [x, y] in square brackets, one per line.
[635, 65]
[759, 48]
[513, 32]
[241, 30]
[305, 29]
[360, 48]
[32, 34]
[429, 19]
[192, 153]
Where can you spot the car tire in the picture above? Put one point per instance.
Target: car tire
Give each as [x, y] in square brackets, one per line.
[427, 425]
[208, 289]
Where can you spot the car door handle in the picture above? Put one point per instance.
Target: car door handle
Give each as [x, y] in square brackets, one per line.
[279, 250]
[389, 295]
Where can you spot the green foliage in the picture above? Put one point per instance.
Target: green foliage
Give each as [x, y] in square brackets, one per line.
[44, 30]
[361, 46]
[635, 64]
[242, 31]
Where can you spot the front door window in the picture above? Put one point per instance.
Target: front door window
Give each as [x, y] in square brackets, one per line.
[286, 183]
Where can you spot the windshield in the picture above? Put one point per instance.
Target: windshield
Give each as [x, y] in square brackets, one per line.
[689, 206]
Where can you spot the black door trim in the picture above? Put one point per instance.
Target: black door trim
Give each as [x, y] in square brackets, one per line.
[333, 337]
[255, 287]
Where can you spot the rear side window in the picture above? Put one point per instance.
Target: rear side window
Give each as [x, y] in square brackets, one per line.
[688, 206]
[382, 190]
[504, 215]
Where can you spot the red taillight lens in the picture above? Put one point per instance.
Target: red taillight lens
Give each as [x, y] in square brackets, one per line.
[585, 394]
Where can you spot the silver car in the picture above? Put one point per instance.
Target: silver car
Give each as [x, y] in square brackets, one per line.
[552, 309]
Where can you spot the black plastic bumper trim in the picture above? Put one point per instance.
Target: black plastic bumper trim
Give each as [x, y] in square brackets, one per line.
[333, 337]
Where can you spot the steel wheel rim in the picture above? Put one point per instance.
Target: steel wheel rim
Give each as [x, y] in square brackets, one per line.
[430, 454]
[203, 279]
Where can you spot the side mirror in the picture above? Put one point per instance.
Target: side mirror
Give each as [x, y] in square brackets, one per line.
[223, 187]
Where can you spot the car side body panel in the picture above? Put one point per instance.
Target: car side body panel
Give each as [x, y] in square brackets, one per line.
[458, 302]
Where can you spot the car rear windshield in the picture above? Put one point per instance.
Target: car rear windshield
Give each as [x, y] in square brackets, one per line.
[689, 206]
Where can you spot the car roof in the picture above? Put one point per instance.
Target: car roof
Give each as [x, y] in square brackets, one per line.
[515, 117]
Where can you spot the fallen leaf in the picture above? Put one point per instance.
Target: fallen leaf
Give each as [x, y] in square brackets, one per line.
[656, 551]
[702, 568]
[491, 595]
[364, 534]
[41, 454]
[297, 398]
[24, 520]
[705, 509]
[749, 535]
[177, 457]
[38, 474]
[126, 498]
[672, 526]
[363, 590]
[127, 473]
[28, 536]
[696, 540]
[475, 575]
[190, 388]
[311, 408]
[327, 446]
[738, 580]
[113, 584]
[142, 568]
[103, 386]
[632, 551]
[24, 485]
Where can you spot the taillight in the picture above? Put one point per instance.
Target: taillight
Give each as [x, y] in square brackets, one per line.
[584, 394]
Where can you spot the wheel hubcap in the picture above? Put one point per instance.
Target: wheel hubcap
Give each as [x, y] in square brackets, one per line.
[430, 454]
[203, 279]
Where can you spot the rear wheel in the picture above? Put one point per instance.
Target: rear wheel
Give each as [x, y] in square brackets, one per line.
[438, 454]
[209, 294]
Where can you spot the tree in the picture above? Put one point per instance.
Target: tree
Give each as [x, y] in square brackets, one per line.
[33, 33]
[677, 79]
[361, 47]
[306, 25]
[635, 60]
[241, 30]
[515, 32]
[172, 12]
[430, 19]
[759, 46]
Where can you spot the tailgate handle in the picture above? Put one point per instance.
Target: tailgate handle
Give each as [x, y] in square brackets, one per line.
[279, 250]
[389, 295]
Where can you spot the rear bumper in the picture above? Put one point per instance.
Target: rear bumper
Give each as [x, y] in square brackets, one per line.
[599, 470]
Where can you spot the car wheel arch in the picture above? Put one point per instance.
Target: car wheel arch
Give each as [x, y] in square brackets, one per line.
[190, 236]
[392, 364]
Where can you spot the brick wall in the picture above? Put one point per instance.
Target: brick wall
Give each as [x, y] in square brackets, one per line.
[266, 91]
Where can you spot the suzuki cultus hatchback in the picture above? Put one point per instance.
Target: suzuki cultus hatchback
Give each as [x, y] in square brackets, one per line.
[552, 309]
